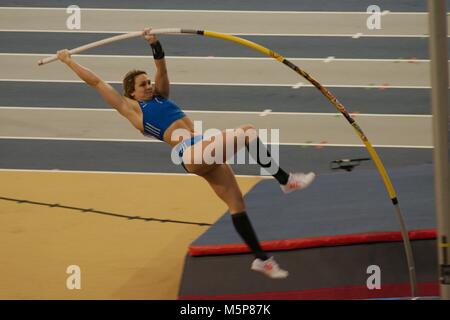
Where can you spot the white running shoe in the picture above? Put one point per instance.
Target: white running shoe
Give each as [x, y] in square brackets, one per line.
[298, 181]
[270, 268]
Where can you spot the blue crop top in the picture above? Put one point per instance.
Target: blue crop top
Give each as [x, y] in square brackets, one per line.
[158, 114]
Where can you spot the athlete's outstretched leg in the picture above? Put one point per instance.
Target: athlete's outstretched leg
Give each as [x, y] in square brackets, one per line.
[223, 182]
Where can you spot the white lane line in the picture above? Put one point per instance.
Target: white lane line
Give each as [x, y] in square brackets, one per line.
[39, 55]
[265, 112]
[346, 35]
[229, 84]
[122, 172]
[304, 144]
[262, 114]
[210, 11]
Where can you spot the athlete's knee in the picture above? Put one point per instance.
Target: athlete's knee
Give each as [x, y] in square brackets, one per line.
[246, 133]
[248, 129]
[247, 126]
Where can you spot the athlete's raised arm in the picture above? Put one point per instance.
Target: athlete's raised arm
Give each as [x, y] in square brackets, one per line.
[162, 84]
[108, 93]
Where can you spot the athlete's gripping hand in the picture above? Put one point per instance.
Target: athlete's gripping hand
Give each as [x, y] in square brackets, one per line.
[151, 38]
[64, 56]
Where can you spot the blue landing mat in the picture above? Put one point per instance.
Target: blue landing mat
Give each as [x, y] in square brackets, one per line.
[338, 203]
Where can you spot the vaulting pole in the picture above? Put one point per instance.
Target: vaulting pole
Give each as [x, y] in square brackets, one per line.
[340, 107]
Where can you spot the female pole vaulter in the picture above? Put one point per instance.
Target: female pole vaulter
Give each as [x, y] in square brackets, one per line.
[150, 111]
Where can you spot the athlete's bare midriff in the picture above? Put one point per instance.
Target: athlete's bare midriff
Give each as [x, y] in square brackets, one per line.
[183, 123]
[136, 119]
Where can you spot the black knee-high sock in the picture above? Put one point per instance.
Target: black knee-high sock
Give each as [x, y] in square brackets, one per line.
[244, 228]
[281, 176]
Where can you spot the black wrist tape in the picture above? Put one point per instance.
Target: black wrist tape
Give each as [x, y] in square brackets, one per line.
[158, 52]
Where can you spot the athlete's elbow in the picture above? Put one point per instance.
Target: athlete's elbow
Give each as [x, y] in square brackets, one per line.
[95, 82]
